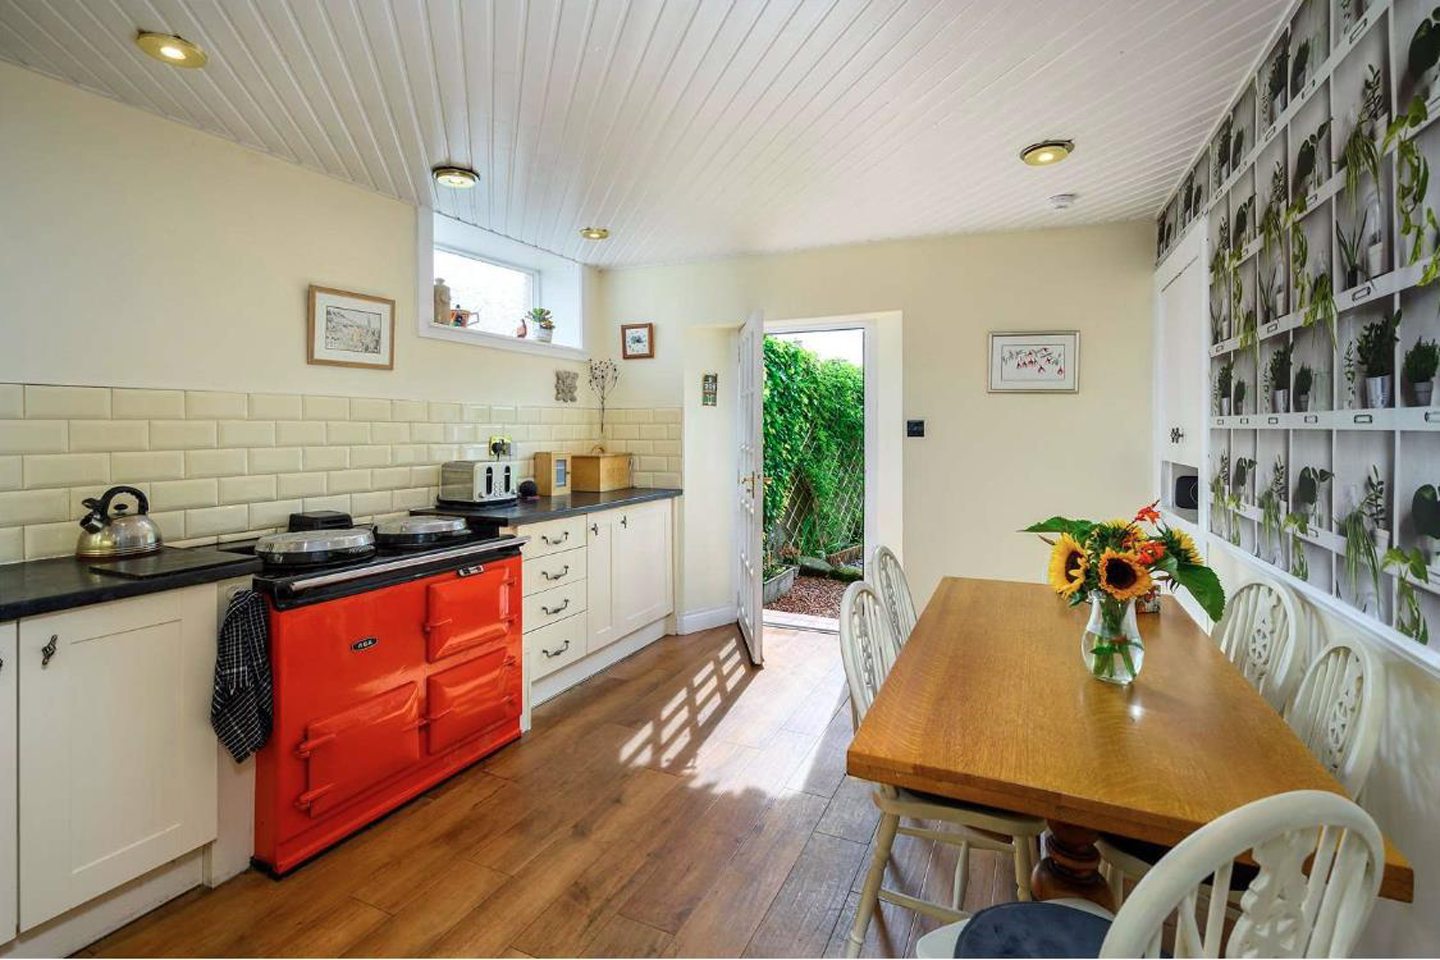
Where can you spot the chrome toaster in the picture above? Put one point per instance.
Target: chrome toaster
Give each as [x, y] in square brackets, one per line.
[479, 481]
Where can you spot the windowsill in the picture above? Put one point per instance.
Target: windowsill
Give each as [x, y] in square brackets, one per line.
[480, 338]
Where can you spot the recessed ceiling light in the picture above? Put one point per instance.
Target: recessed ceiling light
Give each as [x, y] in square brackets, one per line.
[176, 51]
[460, 178]
[595, 233]
[1047, 152]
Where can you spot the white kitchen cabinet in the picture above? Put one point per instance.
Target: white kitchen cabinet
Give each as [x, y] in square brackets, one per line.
[641, 573]
[9, 827]
[117, 761]
[599, 567]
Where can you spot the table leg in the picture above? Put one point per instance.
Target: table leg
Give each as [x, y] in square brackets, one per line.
[1070, 866]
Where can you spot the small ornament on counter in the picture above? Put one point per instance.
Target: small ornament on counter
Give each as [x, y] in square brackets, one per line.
[567, 386]
[709, 389]
[529, 490]
[522, 331]
[442, 302]
[1149, 602]
[460, 317]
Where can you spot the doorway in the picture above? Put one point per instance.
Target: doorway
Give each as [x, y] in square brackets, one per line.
[818, 421]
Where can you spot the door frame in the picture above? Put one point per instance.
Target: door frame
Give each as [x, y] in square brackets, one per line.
[867, 324]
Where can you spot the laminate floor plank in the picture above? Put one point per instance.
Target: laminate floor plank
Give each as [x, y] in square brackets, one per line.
[681, 803]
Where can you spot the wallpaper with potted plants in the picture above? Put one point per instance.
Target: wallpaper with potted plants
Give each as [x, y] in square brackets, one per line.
[1314, 194]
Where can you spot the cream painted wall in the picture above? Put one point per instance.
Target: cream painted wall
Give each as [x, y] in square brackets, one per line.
[707, 583]
[138, 252]
[989, 464]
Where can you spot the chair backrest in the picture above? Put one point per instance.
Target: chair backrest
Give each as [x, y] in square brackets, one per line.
[1258, 633]
[1338, 710]
[894, 590]
[1289, 910]
[867, 645]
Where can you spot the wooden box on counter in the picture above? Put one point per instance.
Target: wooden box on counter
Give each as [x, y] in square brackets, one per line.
[599, 472]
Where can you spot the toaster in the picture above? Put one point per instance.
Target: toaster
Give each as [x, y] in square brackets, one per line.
[479, 481]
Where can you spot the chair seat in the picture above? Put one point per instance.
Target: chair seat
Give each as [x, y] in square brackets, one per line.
[1068, 928]
[1150, 854]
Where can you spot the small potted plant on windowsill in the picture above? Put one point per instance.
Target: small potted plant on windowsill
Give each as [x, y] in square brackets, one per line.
[1304, 380]
[544, 324]
[1375, 353]
[1421, 362]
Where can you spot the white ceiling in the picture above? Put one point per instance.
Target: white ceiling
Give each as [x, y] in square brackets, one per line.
[690, 128]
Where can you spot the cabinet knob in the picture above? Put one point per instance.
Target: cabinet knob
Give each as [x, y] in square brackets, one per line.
[624, 521]
[48, 651]
[595, 529]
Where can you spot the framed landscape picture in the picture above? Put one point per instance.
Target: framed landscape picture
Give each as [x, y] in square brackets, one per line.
[1035, 362]
[637, 340]
[351, 329]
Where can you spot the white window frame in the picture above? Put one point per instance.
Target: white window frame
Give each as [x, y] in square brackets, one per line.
[425, 292]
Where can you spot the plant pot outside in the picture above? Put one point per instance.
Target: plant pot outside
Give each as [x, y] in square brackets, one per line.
[1374, 260]
[1302, 402]
[1378, 390]
[779, 585]
[544, 334]
[1280, 401]
[1423, 392]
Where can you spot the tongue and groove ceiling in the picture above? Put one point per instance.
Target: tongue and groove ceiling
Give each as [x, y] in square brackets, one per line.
[690, 128]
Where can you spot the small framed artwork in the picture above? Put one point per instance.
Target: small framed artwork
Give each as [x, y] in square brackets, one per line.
[637, 341]
[1046, 361]
[709, 389]
[351, 329]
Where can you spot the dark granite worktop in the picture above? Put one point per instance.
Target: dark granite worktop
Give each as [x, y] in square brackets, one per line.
[42, 586]
[550, 508]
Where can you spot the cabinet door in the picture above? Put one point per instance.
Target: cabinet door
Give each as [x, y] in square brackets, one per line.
[642, 574]
[117, 760]
[1183, 392]
[9, 830]
[599, 575]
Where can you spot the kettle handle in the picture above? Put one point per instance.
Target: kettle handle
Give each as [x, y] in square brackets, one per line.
[142, 503]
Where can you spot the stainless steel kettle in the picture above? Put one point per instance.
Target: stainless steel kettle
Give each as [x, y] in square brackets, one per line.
[109, 534]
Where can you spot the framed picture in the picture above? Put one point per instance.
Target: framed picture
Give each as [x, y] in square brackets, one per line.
[637, 340]
[1046, 361]
[351, 329]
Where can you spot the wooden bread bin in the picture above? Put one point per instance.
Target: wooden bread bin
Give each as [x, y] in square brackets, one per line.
[599, 472]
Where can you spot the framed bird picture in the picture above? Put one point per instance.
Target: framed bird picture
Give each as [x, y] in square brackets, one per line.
[1035, 362]
[637, 341]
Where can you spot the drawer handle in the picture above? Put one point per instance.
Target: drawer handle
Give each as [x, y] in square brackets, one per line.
[554, 543]
[1272, 420]
[555, 576]
[1431, 416]
[550, 613]
[1312, 418]
[1358, 29]
[48, 651]
[1364, 418]
[556, 653]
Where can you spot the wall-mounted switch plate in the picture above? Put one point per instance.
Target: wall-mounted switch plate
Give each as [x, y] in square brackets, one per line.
[914, 428]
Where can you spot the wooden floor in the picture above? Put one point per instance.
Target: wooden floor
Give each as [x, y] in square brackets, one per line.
[682, 803]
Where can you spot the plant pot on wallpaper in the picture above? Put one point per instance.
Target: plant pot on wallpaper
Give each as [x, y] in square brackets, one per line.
[1375, 354]
[1304, 380]
[1239, 404]
[1421, 363]
[1279, 375]
[1424, 56]
[1349, 244]
[1223, 386]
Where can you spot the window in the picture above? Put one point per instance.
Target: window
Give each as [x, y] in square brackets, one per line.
[486, 296]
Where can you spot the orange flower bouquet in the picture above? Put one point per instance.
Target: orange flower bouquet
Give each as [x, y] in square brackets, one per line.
[1111, 564]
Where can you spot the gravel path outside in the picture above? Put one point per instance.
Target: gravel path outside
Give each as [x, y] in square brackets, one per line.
[813, 596]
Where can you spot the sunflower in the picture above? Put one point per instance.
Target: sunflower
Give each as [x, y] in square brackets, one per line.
[1181, 547]
[1067, 566]
[1123, 576]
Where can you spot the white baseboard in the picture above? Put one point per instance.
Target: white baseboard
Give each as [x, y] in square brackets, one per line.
[693, 621]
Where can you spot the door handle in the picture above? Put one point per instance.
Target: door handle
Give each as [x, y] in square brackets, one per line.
[47, 652]
[748, 482]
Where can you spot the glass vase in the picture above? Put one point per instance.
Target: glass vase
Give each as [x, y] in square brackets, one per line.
[1111, 646]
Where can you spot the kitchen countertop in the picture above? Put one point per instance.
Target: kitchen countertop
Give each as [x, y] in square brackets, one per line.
[42, 586]
[551, 508]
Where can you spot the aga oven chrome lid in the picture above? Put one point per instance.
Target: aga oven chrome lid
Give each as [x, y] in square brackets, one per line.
[315, 546]
[413, 531]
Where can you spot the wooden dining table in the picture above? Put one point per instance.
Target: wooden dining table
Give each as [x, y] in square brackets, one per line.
[990, 703]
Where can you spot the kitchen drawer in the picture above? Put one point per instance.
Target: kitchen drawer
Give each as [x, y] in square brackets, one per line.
[553, 605]
[553, 536]
[558, 645]
[542, 573]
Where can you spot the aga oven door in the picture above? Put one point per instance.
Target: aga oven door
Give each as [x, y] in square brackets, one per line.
[473, 698]
[471, 609]
[349, 752]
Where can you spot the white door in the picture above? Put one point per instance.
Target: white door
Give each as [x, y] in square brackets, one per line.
[1182, 332]
[117, 758]
[599, 581]
[9, 829]
[641, 581]
[750, 492]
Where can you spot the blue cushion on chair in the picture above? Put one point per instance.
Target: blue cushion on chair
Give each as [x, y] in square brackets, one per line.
[1032, 930]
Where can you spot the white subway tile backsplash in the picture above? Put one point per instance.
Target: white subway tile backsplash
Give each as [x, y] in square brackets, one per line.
[370, 504]
[274, 406]
[209, 521]
[300, 433]
[327, 408]
[275, 459]
[326, 458]
[440, 452]
[182, 434]
[476, 412]
[34, 436]
[214, 405]
[289, 485]
[246, 489]
[50, 540]
[184, 494]
[11, 476]
[247, 433]
[130, 404]
[426, 476]
[171, 523]
[12, 544]
[500, 414]
[221, 463]
[341, 431]
[347, 481]
[370, 456]
[459, 433]
[275, 514]
[408, 410]
[412, 498]
[67, 403]
[20, 508]
[390, 477]
[444, 412]
[408, 453]
[130, 468]
[12, 402]
[341, 503]
[107, 435]
[65, 469]
[427, 432]
[653, 431]
[389, 433]
[362, 409]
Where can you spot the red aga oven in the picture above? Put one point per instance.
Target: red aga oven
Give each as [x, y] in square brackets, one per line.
[386, 683]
